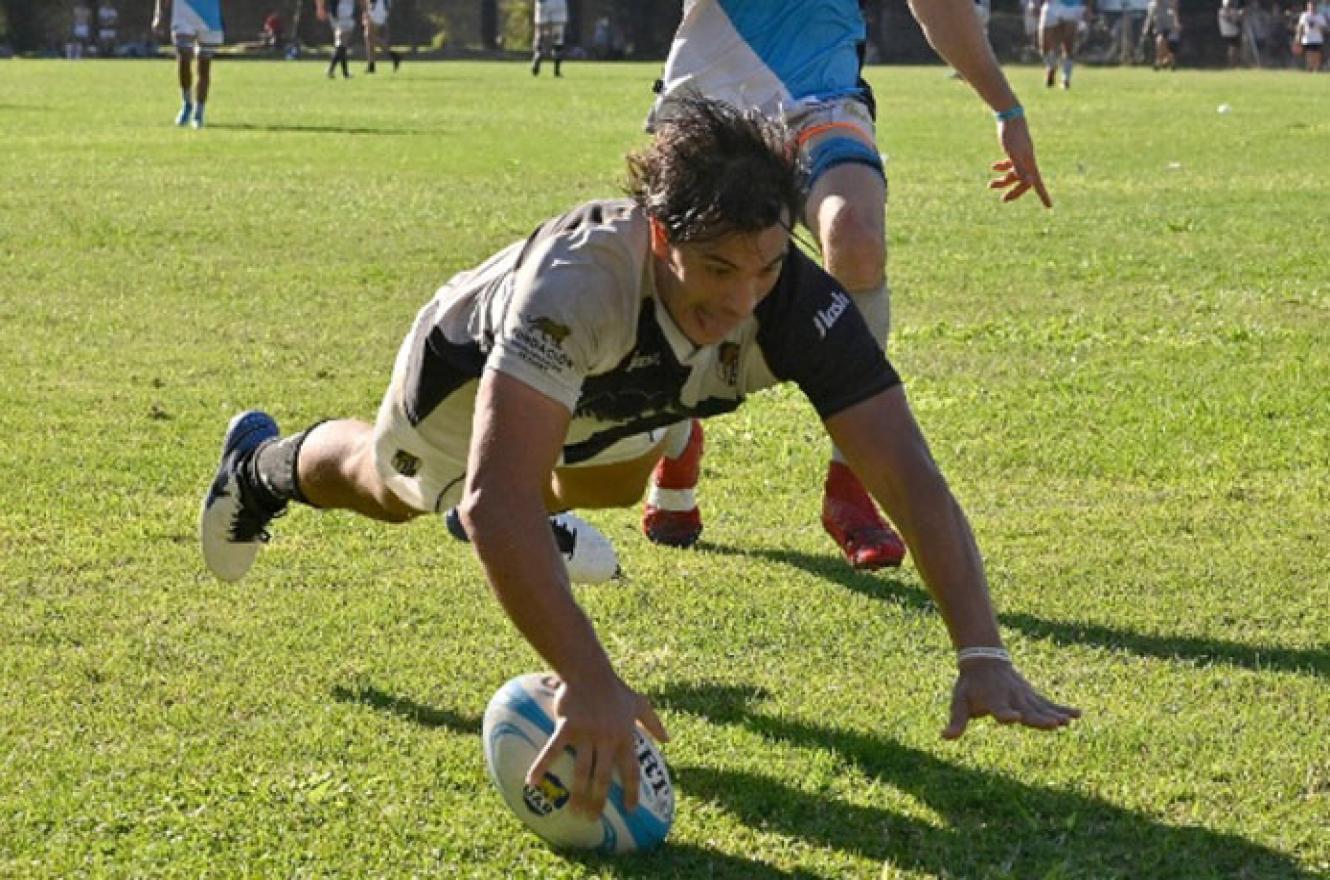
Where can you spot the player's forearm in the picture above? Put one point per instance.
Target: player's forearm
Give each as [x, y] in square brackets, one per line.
[888, 452]
[939, 536]
[953, 29]
[528, 577]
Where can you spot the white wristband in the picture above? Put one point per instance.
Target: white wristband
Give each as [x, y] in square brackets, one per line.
[984, 653]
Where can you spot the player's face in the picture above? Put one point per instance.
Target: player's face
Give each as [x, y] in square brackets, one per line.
[711, 287]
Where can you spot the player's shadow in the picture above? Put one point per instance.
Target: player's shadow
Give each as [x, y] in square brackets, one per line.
[1307, 661]
[990, 824]
[408, 709]
[308, 128]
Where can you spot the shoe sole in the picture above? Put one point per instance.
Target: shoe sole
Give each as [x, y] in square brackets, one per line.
[230, 442]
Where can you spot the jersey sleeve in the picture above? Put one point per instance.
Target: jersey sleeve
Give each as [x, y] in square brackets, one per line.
[812, 334]
[563, 321]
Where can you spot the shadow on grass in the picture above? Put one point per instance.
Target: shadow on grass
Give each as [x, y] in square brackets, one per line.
[992, 825]
[404, 707]
[280, 128]
[671, 861]
[1188, 648]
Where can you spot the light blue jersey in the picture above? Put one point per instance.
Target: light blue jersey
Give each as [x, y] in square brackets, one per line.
[201, 19]
[767, 54]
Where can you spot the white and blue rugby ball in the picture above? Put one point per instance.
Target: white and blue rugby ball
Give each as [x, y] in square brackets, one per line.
[519, 720]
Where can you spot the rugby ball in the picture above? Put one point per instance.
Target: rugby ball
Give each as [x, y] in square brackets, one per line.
[519, 720]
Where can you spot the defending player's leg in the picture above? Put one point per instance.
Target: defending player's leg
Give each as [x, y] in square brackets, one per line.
[185, 76]
[846, 209]
[204, 85]
[671, 515]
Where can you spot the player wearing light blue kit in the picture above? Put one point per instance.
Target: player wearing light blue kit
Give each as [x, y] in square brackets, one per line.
[196, 32]
[798, 61]
[1059, 22]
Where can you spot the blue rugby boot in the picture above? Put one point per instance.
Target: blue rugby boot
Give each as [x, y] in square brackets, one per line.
[183, 117]
[234, 518]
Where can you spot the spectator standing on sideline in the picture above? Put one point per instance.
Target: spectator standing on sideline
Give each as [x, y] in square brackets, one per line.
[343, 22]
[1310, 36]
[551, 18]
[1134, 13]
[196, 33]
[272, 33]
[1166, 25]
[377, 35]
[798, 62]
[1230, 29]
[108, 29]
[81, 31]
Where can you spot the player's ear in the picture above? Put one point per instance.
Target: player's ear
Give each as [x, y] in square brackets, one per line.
[660, 239]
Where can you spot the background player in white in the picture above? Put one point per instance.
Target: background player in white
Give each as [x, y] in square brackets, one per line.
[376, 33]
[534, 381]
[1310, 36]
[1166, 25]
[1059, 23]
[798, 61]
[196, 32]
[343, 22]
[551, 18]
[1230, 30]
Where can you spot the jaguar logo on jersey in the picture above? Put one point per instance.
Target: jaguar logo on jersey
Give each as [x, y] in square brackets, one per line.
[727, 362]
[405, 463]
[824, 318]
[546, 797]
[553, 330]
[539, 340]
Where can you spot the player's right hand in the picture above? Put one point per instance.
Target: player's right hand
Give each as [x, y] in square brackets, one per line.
[995, 688]
[1020, 170]
[598, 722]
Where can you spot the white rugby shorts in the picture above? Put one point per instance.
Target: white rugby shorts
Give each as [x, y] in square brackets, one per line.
[1054, 14]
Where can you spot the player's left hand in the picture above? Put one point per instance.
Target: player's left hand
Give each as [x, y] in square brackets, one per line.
[994, 687]
[1020, 171]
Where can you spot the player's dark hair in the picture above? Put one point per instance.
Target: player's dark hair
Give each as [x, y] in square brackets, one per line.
[713, 170]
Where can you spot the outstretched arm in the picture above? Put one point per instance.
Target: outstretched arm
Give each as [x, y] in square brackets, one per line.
[953, 30]
[517, 436]
[888, 452]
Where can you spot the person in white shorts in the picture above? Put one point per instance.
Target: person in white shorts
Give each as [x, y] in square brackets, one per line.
[342, 18]
[551, 18]
[798, 62]
[196, 32]
[1166, 25]
[376, 33]
[1059, 23]
[536, 381]
[1309, 36]
[1230, 30]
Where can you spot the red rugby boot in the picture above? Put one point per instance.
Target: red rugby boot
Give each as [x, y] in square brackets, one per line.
[671, 516]
[851, 518]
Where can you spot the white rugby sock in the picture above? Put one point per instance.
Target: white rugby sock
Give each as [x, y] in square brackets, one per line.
[676, 438]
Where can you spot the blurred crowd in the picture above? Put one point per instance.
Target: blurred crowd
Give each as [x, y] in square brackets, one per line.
[1252, 33]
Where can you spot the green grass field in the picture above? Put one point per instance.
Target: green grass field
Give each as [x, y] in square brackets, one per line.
[1128, 393]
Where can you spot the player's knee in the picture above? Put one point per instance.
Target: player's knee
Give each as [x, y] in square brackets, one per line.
[856, 251]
